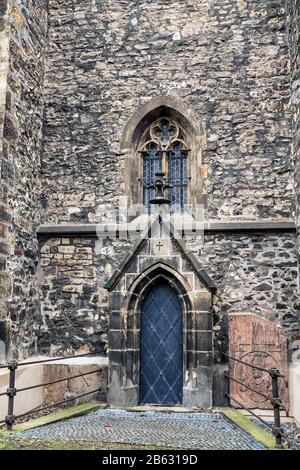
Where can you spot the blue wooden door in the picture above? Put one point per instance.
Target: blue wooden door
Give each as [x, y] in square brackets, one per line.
[161, 353]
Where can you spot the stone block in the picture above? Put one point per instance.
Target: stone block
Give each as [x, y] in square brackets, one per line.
[199, 340]
[72, 388]
[260, 343]
[5, 286]
[220, 385]
[4, 339]
[147, 261]
[116, 339]
[118, 394]
[202, 301]
[3, 229]
[115, 300]
[294, 381]
[115, 357]
[24, 401]
[66, 249]
[199, 321]
[114, 320]
[201, 358]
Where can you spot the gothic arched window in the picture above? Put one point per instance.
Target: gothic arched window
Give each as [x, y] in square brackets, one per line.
[165, 149]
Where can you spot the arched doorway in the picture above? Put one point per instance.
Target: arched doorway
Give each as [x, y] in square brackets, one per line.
[194, 368]
[161, 346]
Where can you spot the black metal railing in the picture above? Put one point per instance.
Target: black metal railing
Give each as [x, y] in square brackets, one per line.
[275, 399]
[12, 391]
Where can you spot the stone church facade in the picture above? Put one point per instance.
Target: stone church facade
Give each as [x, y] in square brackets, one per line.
[97, 96]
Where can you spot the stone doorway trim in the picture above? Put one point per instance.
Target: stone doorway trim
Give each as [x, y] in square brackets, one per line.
[124, 360]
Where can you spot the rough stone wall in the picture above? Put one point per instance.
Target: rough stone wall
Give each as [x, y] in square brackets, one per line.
[20, 170]
[75, 306]
[254, 273]
[228, 61]
[293, 28]
[4, 59]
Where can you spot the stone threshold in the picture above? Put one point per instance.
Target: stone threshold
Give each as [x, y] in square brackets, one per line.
[210, 227]
[163, 409]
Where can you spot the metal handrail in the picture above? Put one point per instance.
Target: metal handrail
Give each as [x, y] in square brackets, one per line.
[53, 382]
[275, 399]
[61, 358]
[254, 367]
[58, 403]
[267, 397]
[10, 420]
[12, 390]
[248, 409]
[247, 386]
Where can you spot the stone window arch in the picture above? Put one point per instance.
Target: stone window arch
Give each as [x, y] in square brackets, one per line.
[189, 133]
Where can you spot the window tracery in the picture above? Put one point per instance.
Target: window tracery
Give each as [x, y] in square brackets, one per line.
[165, 149]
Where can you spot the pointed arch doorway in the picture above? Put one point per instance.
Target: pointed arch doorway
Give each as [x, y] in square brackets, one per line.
[161, 346]
[193, 301]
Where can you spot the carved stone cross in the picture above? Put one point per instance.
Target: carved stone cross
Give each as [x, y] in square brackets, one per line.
[159, 245]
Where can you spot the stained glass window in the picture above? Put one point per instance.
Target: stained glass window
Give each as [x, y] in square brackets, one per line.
[151, 165]
[178, 176]
[165, 150]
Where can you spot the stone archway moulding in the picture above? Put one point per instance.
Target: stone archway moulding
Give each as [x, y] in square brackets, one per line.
[151, 107]
[143, 282]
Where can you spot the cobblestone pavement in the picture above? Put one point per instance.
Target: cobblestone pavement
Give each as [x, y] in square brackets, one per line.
[175, 430]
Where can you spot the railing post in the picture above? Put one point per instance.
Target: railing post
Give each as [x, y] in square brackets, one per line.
[11, 392]
[276, 402]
